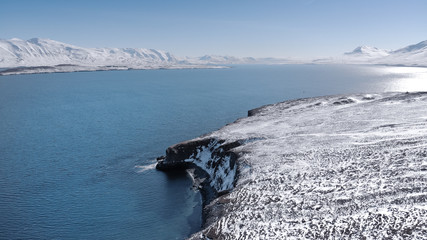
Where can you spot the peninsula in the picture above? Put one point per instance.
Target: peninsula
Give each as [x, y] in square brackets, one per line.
[334, 167]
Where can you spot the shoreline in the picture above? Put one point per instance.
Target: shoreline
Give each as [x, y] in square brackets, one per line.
[62, 68]
[177, 160]
[264, 193]
[69, 68]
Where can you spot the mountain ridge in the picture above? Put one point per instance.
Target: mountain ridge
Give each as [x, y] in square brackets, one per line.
[46, 52]
[414, 55]
[39, 55]
[369, 51]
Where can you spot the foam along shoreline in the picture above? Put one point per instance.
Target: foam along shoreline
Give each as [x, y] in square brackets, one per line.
[350, 166]
[64, 68]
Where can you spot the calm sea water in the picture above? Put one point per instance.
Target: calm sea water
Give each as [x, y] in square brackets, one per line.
[77, 149]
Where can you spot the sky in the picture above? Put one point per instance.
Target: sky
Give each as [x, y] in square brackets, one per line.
[242, 28]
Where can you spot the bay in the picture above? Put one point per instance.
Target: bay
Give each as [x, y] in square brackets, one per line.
[77, 150]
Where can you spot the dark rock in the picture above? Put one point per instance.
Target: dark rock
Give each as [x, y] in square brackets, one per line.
[175, 160]
[343, 101]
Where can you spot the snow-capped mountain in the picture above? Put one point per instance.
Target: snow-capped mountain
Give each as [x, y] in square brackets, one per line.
[44, 55]
[217, 59]
[419, 47]
[415, 54]
[45, 52]
[412, 55]
[369, 52]
[38, 55]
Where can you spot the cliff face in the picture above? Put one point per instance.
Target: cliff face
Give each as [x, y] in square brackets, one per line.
[347, 167]
[213, 161]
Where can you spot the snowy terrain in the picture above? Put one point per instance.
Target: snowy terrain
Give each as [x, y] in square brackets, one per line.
[335, 167]
[217, 59]
[45, 52]
[44, 55]
[412, 55]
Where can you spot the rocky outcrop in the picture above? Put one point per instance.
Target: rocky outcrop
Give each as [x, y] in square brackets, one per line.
[212, 163]
[335, 167]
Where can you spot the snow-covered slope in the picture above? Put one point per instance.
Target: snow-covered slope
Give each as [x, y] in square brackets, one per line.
[336, 167]
[415, 54]
[412, 55]
[416, 48]
[46, 52]
[217, 59]
[221, 60]
[368, 52]
[44, 55]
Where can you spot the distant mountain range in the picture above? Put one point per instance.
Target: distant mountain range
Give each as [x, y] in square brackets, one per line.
[412, 55]
[44, 55]
[46, 52]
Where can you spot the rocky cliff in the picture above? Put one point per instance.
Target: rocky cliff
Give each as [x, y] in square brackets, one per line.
[335, 167]
[212, 163]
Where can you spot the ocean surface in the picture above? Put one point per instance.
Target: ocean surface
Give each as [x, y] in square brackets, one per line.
[77, 150]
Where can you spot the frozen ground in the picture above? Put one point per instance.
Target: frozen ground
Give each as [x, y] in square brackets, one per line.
[336, 167]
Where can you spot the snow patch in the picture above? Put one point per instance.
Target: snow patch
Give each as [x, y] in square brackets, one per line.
[325, 171]
[220, 169]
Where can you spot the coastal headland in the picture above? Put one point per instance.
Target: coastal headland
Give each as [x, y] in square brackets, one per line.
[344, 166]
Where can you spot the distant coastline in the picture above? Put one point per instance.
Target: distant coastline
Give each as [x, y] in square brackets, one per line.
[38, 55]
[66, 68]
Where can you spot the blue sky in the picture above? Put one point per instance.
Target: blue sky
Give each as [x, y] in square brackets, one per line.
[264, 28]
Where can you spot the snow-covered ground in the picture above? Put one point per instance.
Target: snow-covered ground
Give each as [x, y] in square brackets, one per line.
[44, 55]
[221, 60]
[335, 167]
[46, 52]
[412, 55]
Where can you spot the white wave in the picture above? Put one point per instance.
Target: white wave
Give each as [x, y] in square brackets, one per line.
[144, 168]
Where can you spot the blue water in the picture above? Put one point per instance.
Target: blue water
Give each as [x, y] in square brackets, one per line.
[74, 147]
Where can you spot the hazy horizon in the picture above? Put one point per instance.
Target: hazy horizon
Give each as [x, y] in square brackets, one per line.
[298, 29]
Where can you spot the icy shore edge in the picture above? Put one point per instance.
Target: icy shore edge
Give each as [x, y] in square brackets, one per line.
[334, 167]
[66, 68]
